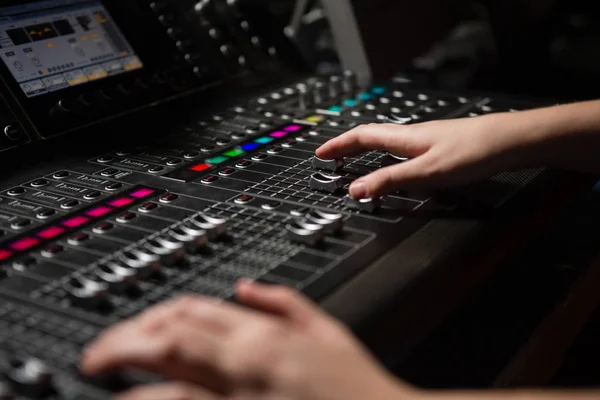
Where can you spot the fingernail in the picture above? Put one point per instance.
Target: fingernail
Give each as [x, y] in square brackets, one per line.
[358, 189]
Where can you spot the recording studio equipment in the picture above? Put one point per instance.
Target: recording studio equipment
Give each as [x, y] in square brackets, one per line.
[167, 148]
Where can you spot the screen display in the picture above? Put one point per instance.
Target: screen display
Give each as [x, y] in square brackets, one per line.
[52, 45]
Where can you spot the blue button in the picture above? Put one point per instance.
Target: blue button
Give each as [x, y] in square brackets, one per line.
[264, 140]
[250, 146]
[365, 97]
[350, 103]
[335, 109]
[378, 90]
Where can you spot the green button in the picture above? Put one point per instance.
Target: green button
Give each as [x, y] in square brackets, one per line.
[234, 153]
[217, 160]
[264, 140]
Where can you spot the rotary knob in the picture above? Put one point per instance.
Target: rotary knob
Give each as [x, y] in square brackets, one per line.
[305, 232]
[31, 377]
[119, 278]
[326, 182]
[87, 293]
[368, 205]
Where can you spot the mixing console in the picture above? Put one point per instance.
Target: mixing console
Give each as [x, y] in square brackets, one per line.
[200, 200]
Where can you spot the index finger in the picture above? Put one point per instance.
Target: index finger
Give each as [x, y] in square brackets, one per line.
[389, 137]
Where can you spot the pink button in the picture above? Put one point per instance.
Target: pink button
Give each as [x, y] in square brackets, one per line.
[75, 222]
[279, 134]
[122, 202]
[4, 254]
[141, 193]
[51, 232]
[293, 128]
[98, 211]
[24, 244]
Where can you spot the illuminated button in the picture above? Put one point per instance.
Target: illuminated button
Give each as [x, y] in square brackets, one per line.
[78, 239]
[335, 109]
[75, 222]
[105, 159]
[260, 157]
[200, 167]
[279, 134]
[121, 202]
[114, 186]
[244, 199]
[292, 128]
[126, 217]
[103, 227]
[142, 193]
[227, 172]
[289, 143]
[350, 103]
[20, 224]
[24, 244]
[4, 254]
[234, 153]
[275, 150]
[191, 154]
[210, 179]
[244, 164]
[61, 175]
[39, 183]
[264, 140]
[67, 205]
[207, 148]
[156, 170]
[109, 172]
[51, 232]
[148, 207]
[217, 160]
[168, 198]
[16, 191]
[47, 213]
[378, 90]
[98, 211]
[250, 146]
[365, 97]
[92, 195]
[52, 251]
[174, 162]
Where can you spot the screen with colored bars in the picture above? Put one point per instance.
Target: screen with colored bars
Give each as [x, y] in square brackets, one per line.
[52, 45]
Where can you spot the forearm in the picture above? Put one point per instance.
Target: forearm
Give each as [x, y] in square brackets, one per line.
[516, 395]
[566, 136]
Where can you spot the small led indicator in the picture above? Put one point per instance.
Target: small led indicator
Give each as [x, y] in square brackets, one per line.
[4, 254]
[264, 140]
[75, 222]
[24, 244]
[98, 211]
[378, 90]
[365, 97]
[279, 134]
[141, 193]
[250, 146]
[234, 153]
[295, 128]
[217, 160]
[51, 232]
[122, 202]
[200, 167]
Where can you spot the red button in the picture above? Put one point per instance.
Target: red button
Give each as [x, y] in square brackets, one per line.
[51, 232]
[24, 244]
[200, 167]
[4, 254]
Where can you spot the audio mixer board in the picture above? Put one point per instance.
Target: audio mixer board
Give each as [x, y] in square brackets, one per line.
[176, 155]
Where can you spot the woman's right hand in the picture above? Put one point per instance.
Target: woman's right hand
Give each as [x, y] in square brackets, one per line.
[442, 153]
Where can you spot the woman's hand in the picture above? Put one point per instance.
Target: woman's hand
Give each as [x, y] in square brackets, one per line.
[222, 351]
[461, 151]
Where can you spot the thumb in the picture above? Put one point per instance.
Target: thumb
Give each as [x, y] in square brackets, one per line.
[279, 300]
[410, 174]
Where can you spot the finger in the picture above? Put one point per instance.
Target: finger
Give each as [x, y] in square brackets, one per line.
[388, 137]
[413, 174]
[179, 351]
[278, 300]
[168, 391]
